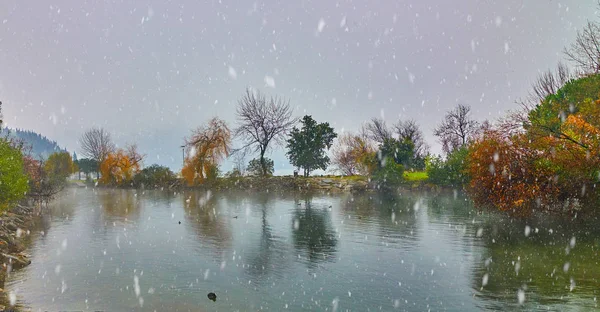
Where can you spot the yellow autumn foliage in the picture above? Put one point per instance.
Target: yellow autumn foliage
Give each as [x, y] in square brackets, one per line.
[206, 148]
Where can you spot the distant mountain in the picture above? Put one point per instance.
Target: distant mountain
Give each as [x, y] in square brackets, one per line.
[40, 145]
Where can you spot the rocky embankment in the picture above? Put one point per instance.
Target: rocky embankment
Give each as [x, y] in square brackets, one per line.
[14, 227]
[332, 184]
[301, 184]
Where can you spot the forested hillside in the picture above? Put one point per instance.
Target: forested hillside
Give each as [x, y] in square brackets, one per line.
[39, 144]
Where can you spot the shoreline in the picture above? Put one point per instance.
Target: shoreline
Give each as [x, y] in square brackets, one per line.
[324, 184]
[15, 226]
[313, 184]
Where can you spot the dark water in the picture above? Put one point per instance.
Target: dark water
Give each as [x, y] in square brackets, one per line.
[118, 250]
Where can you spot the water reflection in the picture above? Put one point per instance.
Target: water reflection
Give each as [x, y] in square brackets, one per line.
[407, 252]
[551, 262]
[313, 234]
[61, 208]
[206, 216]
[121, 205]
[266, 255]
[394, 218]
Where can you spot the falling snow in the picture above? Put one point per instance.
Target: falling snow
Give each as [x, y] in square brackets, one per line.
[232, 73]
[321, 24]
[521, 296]
[269, 82]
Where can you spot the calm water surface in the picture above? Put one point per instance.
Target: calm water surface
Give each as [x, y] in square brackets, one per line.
[124, 250]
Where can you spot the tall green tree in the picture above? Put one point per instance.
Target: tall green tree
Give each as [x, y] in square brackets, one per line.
[307, 146]
[87, 166]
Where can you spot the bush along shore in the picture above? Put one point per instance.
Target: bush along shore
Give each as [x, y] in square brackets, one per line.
[15, 225]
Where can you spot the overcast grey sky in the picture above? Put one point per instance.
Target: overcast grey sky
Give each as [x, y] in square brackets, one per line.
[150, 71]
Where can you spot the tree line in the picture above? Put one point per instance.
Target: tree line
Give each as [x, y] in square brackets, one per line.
[544, 156]
[263, 124]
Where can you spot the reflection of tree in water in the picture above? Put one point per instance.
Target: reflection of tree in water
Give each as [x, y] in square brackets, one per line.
[120, 204]
[545, 263]
[204, 212]
[269, 256]
[161, 197]
[449, 205]
[394, 216]
[62, 207]
[313, 234]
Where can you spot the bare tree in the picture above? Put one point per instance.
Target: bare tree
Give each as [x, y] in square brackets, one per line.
[457, 128]
[409, 130]
[134, 156]
[263, 122]
[0, 116]
[377, 130]
[548, 83]
[96, 144]
[585, 51]
[239, 162]
[349, 152]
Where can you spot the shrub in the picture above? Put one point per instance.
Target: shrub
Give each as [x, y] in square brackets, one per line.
[508, 174]
[451, 172]
[155, 176]
[255, 169]
[13, 181]
[389, 174]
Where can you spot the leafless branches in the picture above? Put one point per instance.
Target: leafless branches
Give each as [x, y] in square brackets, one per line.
[585, 51]
[377, 130]
[211, 142]
[134, 156]
[239, 162]
[409, 130]
[96, 144]
[547, 83]
[349, 152]
[457, 128]
[263, 122]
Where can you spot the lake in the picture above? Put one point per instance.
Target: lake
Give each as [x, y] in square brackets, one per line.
[127, 250]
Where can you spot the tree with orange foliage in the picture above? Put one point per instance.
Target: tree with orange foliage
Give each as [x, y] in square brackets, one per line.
[120, 167]
[576, 156]
[549, 160]
[206, 147]
[509, 174]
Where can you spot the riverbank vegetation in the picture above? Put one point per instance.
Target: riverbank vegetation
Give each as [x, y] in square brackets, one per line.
[22, 176]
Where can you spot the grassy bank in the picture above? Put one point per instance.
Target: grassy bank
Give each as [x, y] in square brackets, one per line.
[416, 176]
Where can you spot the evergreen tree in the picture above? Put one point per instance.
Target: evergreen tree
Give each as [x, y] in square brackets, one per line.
[307, 146]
